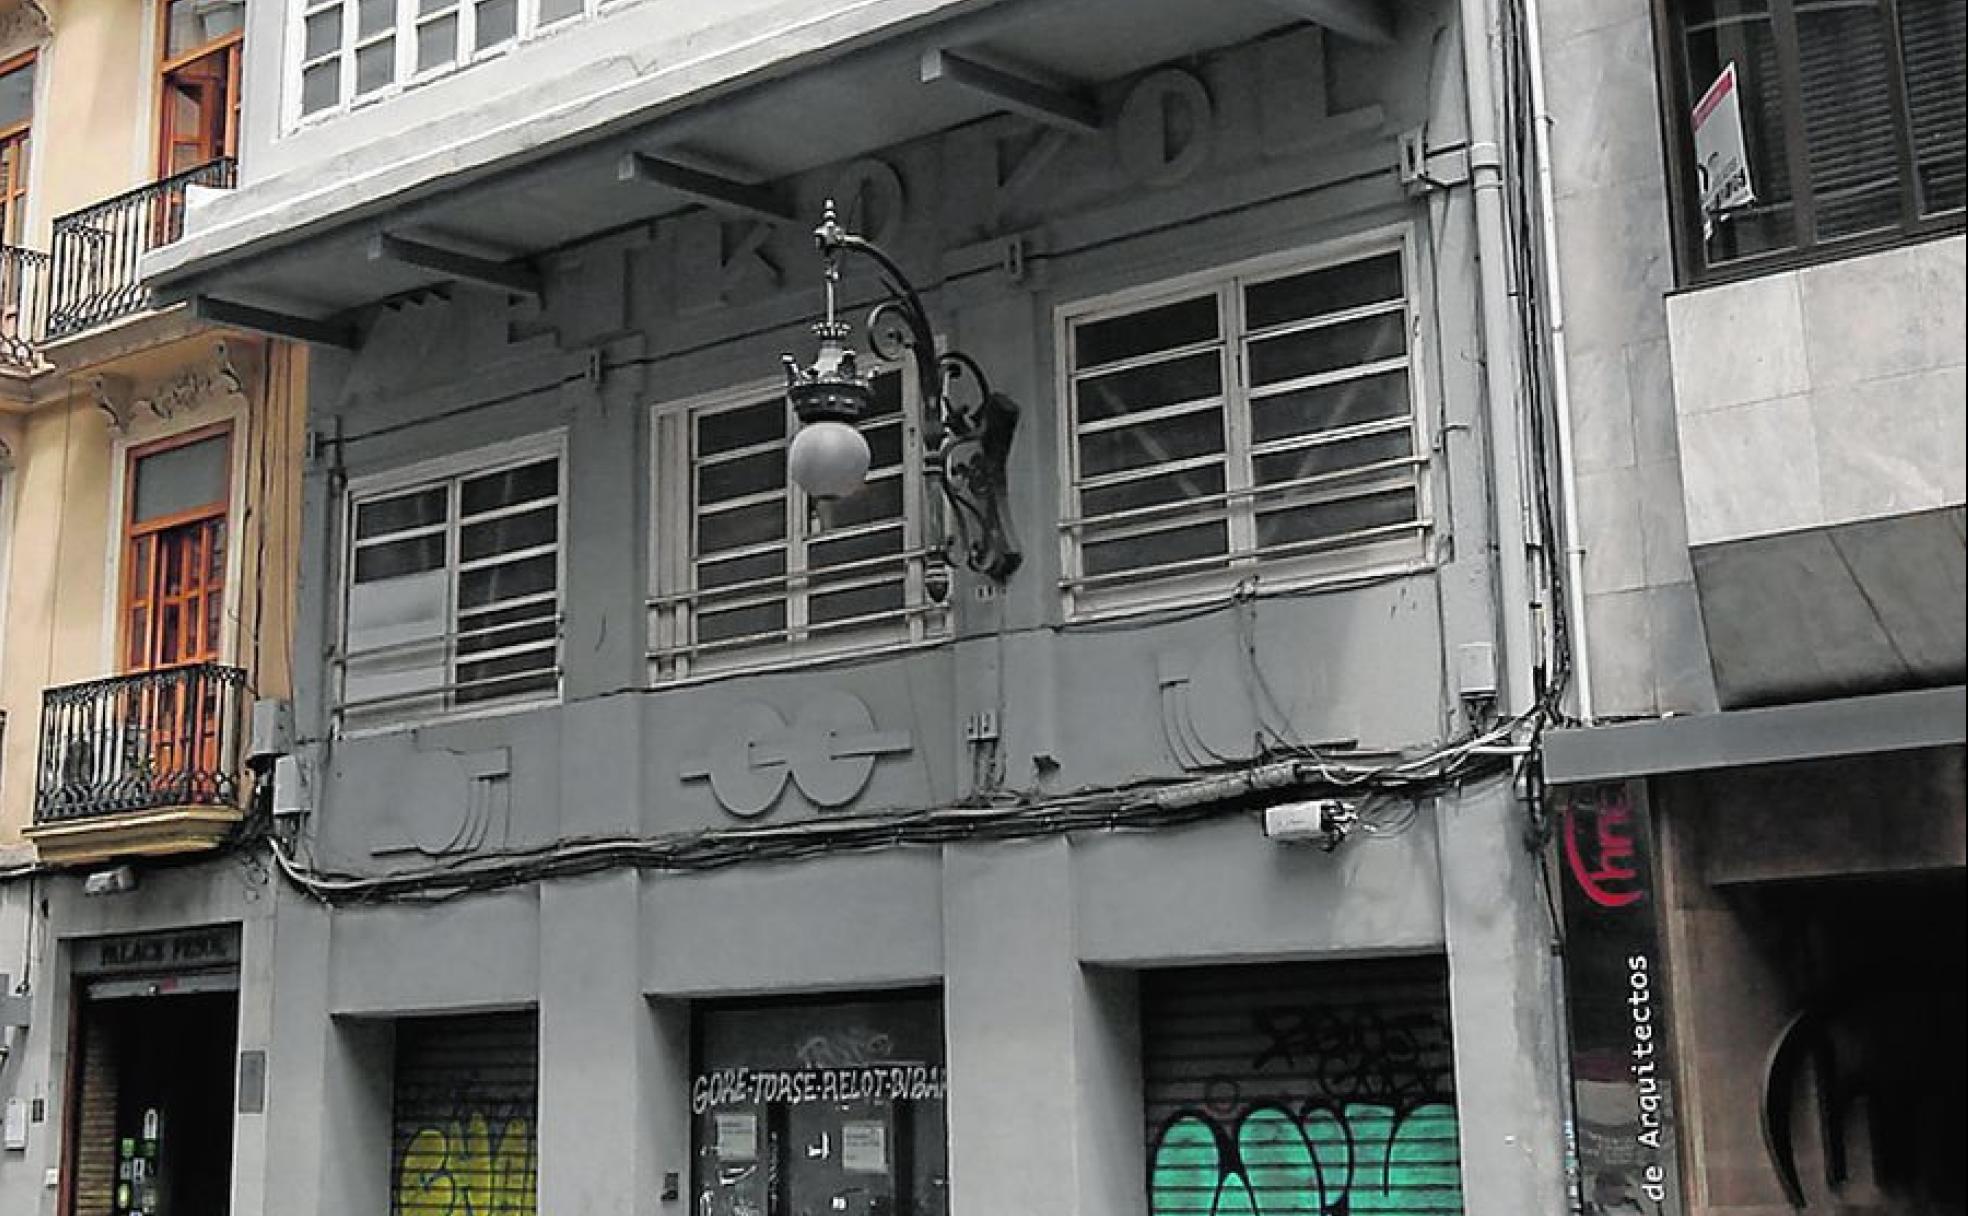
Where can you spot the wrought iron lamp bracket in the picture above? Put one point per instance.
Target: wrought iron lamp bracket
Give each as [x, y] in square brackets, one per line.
[967, 427]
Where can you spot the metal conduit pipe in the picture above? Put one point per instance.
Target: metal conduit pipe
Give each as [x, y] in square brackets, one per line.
[1482, 67]
[1561, 377]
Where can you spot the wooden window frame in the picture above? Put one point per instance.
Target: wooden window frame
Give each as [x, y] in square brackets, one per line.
[220, 509]
[1404, 550]
[13, 203]
[233, 46]
[1684, 196]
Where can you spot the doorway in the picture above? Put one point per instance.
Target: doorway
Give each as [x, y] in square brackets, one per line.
[151, 1129]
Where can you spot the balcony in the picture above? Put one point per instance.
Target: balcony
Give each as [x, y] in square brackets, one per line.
[139, 765]
[23, 307]
[89, 277]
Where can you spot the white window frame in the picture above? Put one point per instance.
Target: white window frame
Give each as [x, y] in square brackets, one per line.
[450, 471]
[1404, 550]
[673, 655]
[405, 74]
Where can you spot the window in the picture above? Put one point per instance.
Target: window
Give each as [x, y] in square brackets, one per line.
[353, 49]
[16, 120]
[811, 1107]
[1251, 417]
[199, 101]
[454, 589]
[174, 554]
[1851, 119]
[750, 571]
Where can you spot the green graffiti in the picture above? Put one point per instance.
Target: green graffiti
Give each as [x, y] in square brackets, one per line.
[1270, 1161]
[458, 1170]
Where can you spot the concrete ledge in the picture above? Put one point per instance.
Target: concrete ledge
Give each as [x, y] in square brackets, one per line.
[182, 829]
[1817, 730]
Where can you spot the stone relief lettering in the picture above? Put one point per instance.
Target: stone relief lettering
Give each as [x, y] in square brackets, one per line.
[1294, 105]
[871, 200]
[723, 263]
[1165, 129]
[829, 752]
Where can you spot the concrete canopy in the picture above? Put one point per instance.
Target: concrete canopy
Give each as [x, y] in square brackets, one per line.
[300, 243]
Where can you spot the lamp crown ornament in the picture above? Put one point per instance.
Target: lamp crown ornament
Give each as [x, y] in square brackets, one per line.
[967, 428]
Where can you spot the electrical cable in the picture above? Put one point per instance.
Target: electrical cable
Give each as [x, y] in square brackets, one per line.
[1395, 789]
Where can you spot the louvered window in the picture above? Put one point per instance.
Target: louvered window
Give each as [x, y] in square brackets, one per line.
[1243, 424]
[750, 572]
[453, 587]
[1852, 115]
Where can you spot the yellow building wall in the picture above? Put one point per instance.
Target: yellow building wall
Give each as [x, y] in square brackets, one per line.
[95, 110]
[68, 468]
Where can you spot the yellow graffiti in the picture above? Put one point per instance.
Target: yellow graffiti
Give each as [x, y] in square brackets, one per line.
[456, 1170]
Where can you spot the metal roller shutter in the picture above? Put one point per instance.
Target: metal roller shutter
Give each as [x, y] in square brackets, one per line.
[1323, 1089]
[465, 1125]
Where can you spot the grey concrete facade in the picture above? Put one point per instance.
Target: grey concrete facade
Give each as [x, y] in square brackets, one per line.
[1039, 948]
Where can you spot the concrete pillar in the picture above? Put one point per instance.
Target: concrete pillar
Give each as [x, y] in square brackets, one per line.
[328, 1081]
[1502, 985]
[595, 1045]
[1044, 1097]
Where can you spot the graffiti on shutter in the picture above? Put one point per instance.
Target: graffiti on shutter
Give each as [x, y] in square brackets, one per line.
[467, 1100]
[1301, 1090]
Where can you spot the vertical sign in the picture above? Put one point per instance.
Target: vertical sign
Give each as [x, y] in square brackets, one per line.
[1617, 999]
[1721, 157]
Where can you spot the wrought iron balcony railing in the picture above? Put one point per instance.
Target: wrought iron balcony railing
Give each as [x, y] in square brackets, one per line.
[23, 306]
[96, 251]
[143, 742]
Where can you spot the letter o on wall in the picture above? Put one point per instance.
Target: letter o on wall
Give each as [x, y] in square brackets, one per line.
[1165, 127]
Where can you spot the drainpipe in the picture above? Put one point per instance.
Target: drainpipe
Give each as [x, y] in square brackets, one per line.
[1501, 362]
[1561, 376]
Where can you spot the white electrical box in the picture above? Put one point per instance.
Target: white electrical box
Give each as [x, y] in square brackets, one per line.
[14, 1134]
[290, 795]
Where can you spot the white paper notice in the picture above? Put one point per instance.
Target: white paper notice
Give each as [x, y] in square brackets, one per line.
[864, 1148]
[737, 1136]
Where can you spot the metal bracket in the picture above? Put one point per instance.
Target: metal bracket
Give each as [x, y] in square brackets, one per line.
[1424, 169]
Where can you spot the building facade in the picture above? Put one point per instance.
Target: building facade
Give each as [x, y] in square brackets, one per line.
[149, 483]
[659, 839]
[1759, 238]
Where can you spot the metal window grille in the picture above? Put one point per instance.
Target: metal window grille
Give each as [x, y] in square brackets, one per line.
[766, 574]
[454, 591]
[1257, 420]
[1855, 124]
[351, 50]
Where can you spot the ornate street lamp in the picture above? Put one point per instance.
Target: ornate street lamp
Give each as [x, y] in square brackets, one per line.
[966, 427]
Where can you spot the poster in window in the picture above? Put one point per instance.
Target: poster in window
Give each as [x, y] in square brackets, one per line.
[737, 1136]
[1721, 156]
[864, 1147]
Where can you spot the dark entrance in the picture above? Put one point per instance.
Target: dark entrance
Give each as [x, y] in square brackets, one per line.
[150, 1112]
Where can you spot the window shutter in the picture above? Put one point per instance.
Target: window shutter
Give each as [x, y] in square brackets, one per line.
[1313, 1088]
[466, 1115]
[1933, 34]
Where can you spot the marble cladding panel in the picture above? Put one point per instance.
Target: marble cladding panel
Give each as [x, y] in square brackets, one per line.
[1751, 469]
[1823, 396]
